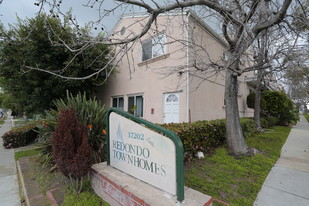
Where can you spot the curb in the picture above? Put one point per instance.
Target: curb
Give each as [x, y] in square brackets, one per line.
[21, 177]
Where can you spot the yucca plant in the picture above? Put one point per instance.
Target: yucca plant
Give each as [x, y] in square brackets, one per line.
[90, 113]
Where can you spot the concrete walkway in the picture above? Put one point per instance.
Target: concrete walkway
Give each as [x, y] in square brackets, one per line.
[9, 189]
[287, 184]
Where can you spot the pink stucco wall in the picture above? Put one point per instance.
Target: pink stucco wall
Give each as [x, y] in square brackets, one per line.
[160, 75]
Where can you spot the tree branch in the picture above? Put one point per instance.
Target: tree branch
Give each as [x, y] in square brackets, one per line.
[275, 20]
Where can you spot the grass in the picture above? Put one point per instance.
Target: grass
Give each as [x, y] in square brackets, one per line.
[87, 197]
[83, 199]
[237, 180]
[26, 153]
[307, 117]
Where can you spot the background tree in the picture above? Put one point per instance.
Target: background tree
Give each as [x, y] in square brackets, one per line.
[271, 49]
[42, 42]
[297, 62]
[297, 76]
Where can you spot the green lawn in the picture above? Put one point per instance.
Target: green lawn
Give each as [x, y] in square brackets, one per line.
[237, 180]
[25, 153]
[307, 117]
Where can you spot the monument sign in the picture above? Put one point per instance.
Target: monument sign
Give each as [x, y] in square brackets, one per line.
[145, 151]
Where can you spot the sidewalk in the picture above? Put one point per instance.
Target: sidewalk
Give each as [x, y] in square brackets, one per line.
[9, 189]
[287, 184]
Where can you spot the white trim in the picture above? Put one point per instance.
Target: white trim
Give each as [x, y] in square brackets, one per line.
[187, 69]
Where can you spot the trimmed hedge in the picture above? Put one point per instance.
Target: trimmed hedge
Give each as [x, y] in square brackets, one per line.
[206, 135]
[20, 136]
[199, 136]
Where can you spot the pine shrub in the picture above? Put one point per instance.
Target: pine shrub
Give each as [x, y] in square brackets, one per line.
[70, 148]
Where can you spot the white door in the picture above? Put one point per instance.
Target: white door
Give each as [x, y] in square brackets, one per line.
[171, 108]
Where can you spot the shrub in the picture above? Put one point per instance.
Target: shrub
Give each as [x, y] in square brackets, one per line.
[251, 101]
[70, 148]
[275, 104]
[20, 136]
[89, 112]
[199, 136]
[279, 105]
[247, 126]
[92, 114]
[204, 136]
[267, 122]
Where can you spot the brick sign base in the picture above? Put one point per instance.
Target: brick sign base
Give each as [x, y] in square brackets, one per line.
[120, 189]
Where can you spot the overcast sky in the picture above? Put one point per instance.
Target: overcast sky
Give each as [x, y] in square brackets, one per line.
[9, 9]
[23, 8]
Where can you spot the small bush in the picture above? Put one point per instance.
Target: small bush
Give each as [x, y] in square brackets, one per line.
[20, 136]
[70, 148]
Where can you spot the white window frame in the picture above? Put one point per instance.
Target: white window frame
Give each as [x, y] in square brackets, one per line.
[135, 104]
[158, 47]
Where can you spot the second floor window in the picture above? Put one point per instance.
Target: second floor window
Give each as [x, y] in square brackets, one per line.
[154, 47]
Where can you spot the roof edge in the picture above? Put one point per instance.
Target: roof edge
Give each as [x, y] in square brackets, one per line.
[177, 12]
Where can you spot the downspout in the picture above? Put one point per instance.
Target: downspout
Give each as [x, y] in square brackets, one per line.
[187, 69]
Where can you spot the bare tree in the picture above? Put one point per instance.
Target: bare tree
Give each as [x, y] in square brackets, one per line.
[272, 47]
[297, 77]
[241, 23]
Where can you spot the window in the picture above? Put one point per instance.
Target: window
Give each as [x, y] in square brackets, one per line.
[154, 47]
[136, 105]
[172, 98]
[118, 102]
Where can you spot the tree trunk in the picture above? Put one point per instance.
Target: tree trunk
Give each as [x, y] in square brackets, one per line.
[235, 139]
[262, 57]
[257, 103]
